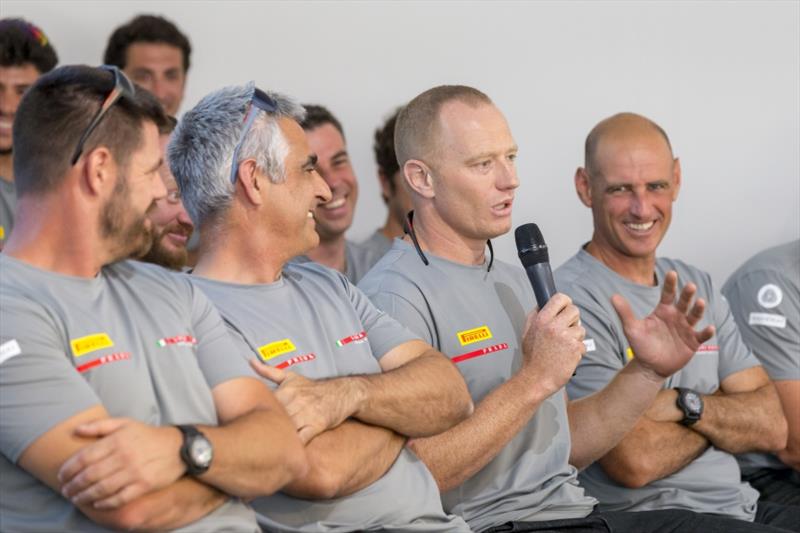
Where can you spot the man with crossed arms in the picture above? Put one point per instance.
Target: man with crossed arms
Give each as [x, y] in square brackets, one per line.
[354, 381]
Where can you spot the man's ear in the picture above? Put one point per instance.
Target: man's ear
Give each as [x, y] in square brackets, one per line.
[418, 177]
[676, 178]
[99, 170]
[250, 181]
[583, 187]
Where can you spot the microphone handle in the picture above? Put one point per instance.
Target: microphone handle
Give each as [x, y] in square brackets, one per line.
[541, 277]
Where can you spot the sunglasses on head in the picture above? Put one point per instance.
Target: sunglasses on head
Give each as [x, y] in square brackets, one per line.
[262, 101]
[122, 87]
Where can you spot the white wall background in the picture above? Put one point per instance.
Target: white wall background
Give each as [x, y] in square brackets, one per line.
[723, 79]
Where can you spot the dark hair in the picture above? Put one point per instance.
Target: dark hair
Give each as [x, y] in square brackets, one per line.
[145, 29]
[168, 126]
[22, 42]
[317, 115]
[384, 149]
[57, 109]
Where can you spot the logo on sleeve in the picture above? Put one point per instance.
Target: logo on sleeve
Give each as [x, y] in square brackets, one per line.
[769, 296]
[274, 349]
[178, 340]
[90, 343]
[474, 335]
[358, 338]
[8, 350]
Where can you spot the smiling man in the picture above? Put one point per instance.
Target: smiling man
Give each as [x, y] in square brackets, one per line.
[680, 455]
[334, 217]
[355, 382]
[155, 54]
[173, 227]
[25, 54]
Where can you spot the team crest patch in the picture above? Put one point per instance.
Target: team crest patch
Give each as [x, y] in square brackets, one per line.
[474, 335]
[274, 349]
[769, 296]
[90, 343]
[358, 338]
[178, 340]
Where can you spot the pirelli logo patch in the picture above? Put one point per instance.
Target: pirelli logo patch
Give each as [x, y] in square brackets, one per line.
[274, 349]
[471, 336]
[2, 232]
[90, 343]
[629, 354]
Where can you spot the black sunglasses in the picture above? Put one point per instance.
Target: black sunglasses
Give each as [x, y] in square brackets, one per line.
[122, 87]
[262, 101]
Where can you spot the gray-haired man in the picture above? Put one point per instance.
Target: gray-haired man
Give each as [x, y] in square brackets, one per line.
[354, 381]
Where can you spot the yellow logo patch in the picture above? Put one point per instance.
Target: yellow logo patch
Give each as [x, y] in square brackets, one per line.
[629, 354]
[90, 343]
[2, 232]
[274, 349]
[474, 335]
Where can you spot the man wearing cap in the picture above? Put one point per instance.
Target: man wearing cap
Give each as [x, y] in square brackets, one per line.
[354, 381]
[25, 54]
[511, 466]
[117, 410]
[680, 455]
[764, 296]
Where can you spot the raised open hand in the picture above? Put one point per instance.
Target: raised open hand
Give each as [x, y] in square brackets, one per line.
[665, 340]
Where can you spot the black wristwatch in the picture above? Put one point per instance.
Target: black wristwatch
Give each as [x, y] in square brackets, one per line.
[196, 451]
[691, 403]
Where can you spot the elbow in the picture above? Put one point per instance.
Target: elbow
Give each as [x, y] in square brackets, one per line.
[630, 473]
[776, 439]
[318, 483]
[130, 517]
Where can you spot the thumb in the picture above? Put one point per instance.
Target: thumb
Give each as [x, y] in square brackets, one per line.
[271, 373]
[100, 428]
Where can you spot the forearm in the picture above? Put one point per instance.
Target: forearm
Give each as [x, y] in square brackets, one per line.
[599, 421]
[346, 459]
[460, 452]
[744, 421]
[423, 397]
[789, 394]
[185, 501]
[651, 451]
[255, 454]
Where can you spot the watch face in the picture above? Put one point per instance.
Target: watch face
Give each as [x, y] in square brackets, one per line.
[692, 402]
[201, 452]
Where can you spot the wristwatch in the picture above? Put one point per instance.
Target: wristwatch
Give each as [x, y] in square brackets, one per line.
[691, 403]
[196, 451]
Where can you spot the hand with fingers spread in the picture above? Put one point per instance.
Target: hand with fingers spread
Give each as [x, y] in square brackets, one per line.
[665, 340]
[313, 405]
[552, 343]
[128, 460]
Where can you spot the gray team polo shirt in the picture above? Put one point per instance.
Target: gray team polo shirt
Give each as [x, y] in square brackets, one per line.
[314, 322]
[135, 339]
[8, 204]
[476, 318]
[378, 243]
[764, 296]
[712, 482]
[358, 260]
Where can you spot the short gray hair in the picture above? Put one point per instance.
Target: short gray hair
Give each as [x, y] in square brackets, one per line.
[200, 152]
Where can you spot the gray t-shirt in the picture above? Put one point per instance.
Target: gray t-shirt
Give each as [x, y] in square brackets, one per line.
[8, 205]
[358, 260]
[476, 318]
[764, 296]
[314, 322]
[712, 482]
[378, 243]
[135, 339]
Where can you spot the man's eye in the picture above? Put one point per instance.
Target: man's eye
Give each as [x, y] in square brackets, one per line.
[174, 197]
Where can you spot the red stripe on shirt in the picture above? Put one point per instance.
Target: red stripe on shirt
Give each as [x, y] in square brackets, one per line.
[121, 356]
[479, 353]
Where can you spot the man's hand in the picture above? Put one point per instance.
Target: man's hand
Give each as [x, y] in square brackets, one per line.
[313, 406]
[130, 459]
[552, 343]
[664, 341]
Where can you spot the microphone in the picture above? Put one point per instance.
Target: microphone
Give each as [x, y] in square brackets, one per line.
[533, 254]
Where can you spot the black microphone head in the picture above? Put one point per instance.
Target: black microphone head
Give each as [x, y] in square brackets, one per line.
[530, 245]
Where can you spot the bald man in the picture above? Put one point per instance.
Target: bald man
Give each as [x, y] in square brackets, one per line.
[680, 455]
